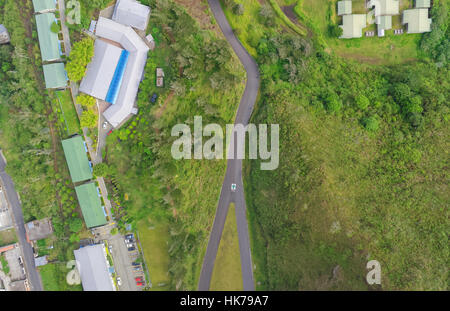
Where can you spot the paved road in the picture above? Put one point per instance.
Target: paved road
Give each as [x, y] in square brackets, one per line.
[234, 168]
[16, 207]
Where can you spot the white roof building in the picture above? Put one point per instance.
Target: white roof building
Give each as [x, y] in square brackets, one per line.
[352, 25]
[131, 13]
[114, 73]
[100, 70]
[417, 20]
[385, 7]
[94, 268]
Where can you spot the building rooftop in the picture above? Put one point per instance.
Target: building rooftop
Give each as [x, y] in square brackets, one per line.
[101, 69]
[44, 5]
[93, 267]
[353, 25]
[91, 205]
[344, 7]
[131, 13]
[39, 229]
[48, 40]
[384, 22]
[385, 7]
[417, 20]
[77, 160]
[40, 261]
[423, 3]
[55, 76]
[133, 70]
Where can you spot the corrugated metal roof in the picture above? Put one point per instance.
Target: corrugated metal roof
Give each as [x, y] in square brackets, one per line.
[417, 20]
[131, 13]
[48, 40]
[100, 70]
[134, 70]
[353, 25]
[93, 268]
[44, 5]
[385, 7]
[344, 7]
[423, 3]
[55, 76]
[77, 159]
[91, 205]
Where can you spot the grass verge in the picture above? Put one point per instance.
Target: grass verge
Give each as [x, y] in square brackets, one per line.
[227, 274]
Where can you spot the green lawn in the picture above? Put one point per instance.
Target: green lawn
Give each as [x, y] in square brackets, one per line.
[54, 278]
[4, 263]
[8, 237]
[318, 14]
[72, 123]
[154, 239]
[227, 273]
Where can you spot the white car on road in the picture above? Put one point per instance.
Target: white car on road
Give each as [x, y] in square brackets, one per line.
[233, 187]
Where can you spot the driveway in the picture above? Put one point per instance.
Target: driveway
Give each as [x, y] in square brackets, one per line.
[234, 168]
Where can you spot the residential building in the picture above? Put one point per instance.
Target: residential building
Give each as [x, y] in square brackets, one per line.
[4, 35]
[44, 6]
[91, 206]
[417, 20]
[131, 13]
[353, 25]
[55, 76]
[344, 7]
[75, 151]
[39, 229]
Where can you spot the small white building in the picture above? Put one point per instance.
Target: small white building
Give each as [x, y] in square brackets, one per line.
[131, 13]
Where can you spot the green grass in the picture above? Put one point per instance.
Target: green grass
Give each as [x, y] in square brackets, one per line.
[299, 30]
[154, 243]
[227, 274]
[72, 123]
[53, 277]
[4, 263]
[8, 237]
[375, 50]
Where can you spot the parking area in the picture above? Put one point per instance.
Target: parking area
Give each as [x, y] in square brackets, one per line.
[124, 252]
[15, 264]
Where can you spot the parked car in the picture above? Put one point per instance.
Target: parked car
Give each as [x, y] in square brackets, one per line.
[139, 279]
[104, 125]
[130, 249]
[154, 98]
[129, 236]
[130, 245]
[139, 283]
[138, 268]
[136, 263]
[119, 281]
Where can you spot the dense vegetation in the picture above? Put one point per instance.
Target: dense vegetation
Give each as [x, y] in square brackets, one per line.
[30, 134]
[363, 167]
[201, 78]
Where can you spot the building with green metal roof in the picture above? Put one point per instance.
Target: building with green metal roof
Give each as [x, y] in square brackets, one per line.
[76, 158]
[48, 40]
[417, 20]
[352, 25]
[42, 6]
[423, 3]
[55, 76]
[91, 205]
[344, 7]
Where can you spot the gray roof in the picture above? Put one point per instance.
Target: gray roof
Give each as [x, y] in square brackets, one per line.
[385, 7]
[344, 7]
[423, 3]
[2, 28]
[353, 25]
[100, 70]
[39, 229]
[93, 268]
[134, 70]
[417, 20]
[40, 261]
[131, 13]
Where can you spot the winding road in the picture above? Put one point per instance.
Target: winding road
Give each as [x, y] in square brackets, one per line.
[234, 168]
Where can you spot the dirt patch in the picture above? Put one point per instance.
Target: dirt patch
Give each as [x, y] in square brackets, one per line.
[160, 111]
[199, 10]
[288, 10]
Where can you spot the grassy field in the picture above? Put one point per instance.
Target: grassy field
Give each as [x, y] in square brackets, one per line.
[154, 242]
[319, 14]
[227, 273]
[8, 237]
[72, 123]
[53, 277]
